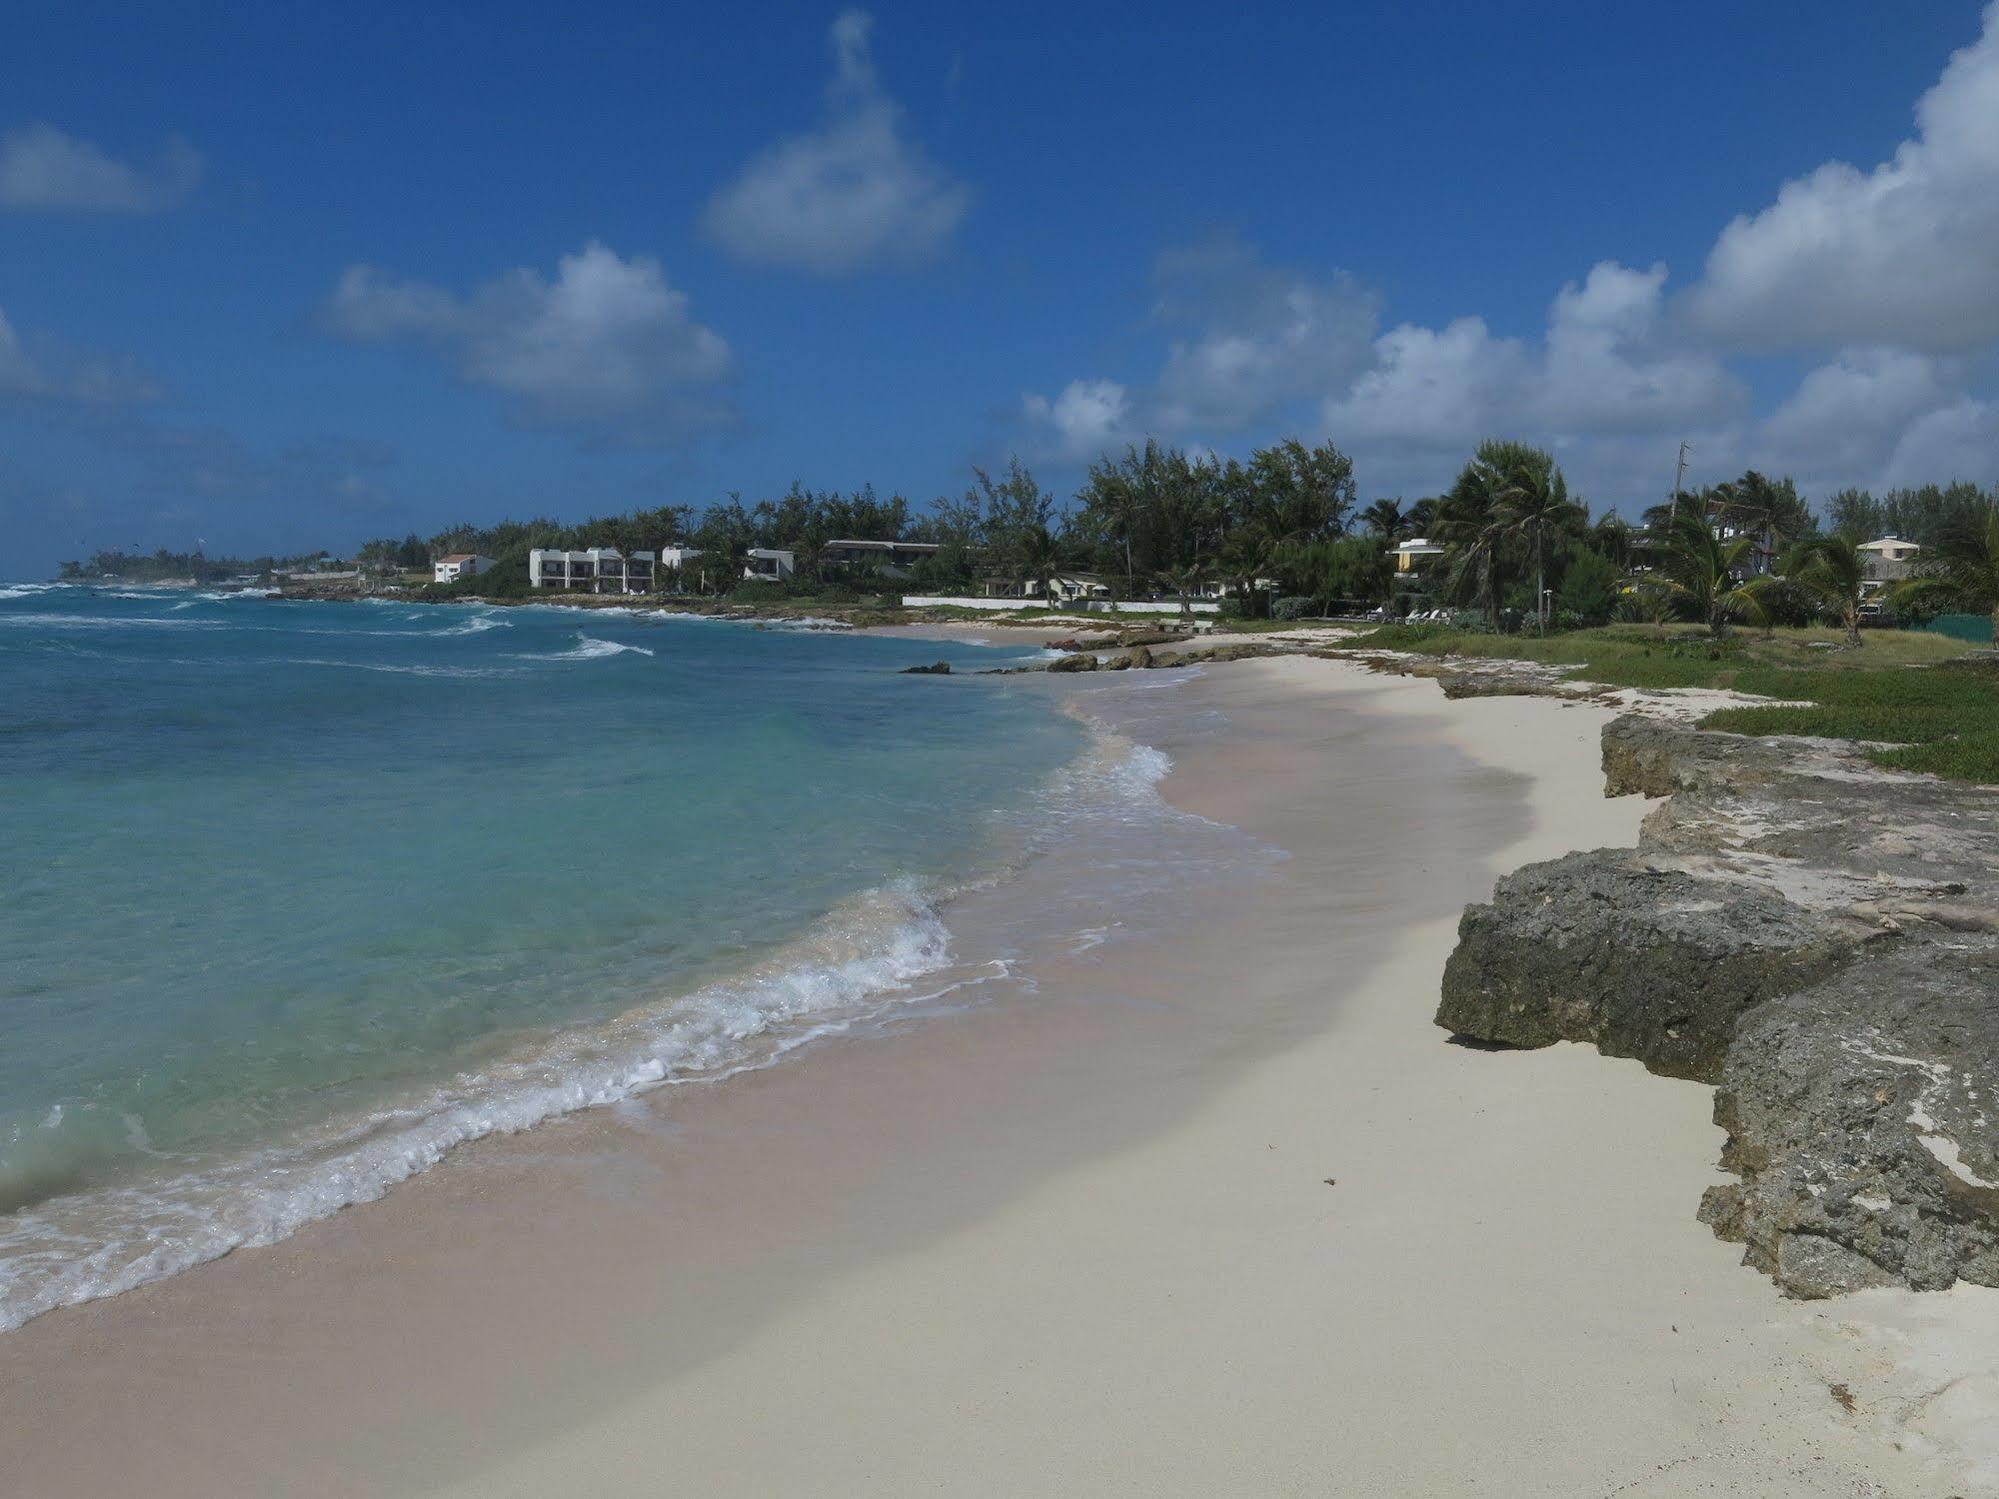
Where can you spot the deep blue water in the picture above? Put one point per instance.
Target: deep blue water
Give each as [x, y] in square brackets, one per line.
[299, 895]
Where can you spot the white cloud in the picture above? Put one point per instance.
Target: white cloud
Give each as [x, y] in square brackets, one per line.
[1606, 365]
[58, 378]
[854, 193]
[1610, 365]
[1956, 441]
[42, 170]
[1248, 339]
[1433, 386]
[1846, 417]
[1260, 336]
[1904, 255]
[1089, 417]
[607, 350]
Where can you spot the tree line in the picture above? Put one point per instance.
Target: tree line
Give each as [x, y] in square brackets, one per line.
[1283, 532]
[166, 566]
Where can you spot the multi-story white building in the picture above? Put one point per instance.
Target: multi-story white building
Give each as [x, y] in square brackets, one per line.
[1885, 560]
[595, 570]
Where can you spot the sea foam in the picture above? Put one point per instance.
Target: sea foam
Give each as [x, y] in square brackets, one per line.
[864, 957]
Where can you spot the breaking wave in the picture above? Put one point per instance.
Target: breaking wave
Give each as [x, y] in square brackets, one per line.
[860, 960]
[587, 648]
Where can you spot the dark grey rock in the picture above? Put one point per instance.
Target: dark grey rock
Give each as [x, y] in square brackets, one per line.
[1082, 661]
[937, 669]
[1639, 962]
[1819, 936]
[1860, 1117]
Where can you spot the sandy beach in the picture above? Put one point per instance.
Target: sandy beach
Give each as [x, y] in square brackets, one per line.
[1213, 1209]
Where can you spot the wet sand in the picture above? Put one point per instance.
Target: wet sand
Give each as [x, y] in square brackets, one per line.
[1214, 1209]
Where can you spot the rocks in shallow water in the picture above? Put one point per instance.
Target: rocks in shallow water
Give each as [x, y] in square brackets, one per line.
[1082, 661]
[1818, 936]
[936, 669]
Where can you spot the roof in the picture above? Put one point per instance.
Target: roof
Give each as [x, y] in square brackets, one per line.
[459, 557]
[884, 546]
[1883, 543]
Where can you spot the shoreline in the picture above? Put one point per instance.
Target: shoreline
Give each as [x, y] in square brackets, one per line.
[1075, 1243]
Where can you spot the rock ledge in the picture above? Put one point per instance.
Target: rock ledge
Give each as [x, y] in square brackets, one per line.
[1817, 937]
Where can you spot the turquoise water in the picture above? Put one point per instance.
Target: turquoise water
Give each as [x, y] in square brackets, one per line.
[301, 895]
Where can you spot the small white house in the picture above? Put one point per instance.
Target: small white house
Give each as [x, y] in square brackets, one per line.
[461, 565]
[769, 565]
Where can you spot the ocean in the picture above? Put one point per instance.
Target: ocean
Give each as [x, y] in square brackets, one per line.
[301, 896]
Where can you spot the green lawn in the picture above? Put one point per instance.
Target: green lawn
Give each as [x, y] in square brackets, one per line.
[1903, 687]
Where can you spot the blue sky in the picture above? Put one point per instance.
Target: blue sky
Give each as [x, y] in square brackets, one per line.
[296, 275]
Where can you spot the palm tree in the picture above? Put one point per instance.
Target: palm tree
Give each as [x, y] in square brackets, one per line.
[1827, 570]
[1474, 529]
[1533, 502]
[1648, 601]
[1037, 561]
[1183, 581]
[1473, 543]
[1385, 518]
[1610, 538]
[1960, 567]
[1698, 567]
[1247, 557]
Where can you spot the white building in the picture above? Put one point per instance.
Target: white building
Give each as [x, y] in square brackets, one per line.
[769, 565]
[595, 570]
[461, 565]
[1062, 588]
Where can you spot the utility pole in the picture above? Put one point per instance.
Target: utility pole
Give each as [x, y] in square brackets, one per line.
[1679, 474]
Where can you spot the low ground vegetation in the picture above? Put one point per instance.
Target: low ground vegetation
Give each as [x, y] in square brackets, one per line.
[1930, 697]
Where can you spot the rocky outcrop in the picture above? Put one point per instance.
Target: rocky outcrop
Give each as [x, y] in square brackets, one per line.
[1860, 1118]
[935, 669]
[1637, 961]
[1081, 661]
[1817, 936]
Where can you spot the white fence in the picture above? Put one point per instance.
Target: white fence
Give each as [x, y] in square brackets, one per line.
[1081, 606]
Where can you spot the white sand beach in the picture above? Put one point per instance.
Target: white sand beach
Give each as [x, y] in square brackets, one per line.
[1218, 1213]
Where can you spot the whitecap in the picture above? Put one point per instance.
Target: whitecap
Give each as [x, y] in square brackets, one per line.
[587, 648]
[478, 624]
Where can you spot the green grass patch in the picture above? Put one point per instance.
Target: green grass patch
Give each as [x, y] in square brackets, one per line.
[1903, 687]
[1967, 757]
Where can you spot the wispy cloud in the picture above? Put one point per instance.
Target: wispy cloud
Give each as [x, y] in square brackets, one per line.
[1246, 340]
[56, 377]
[607, 351]
[854, 193]
[43, 170]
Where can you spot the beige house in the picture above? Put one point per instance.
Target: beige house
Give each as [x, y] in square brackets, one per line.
[1885, 560]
